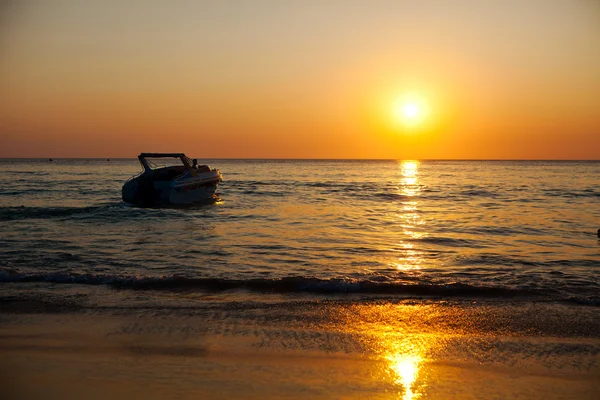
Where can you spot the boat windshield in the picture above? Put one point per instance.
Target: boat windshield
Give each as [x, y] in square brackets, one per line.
[162, 162]
[155, 163]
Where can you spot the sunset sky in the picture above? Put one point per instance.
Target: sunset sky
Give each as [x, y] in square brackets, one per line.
[446, 79]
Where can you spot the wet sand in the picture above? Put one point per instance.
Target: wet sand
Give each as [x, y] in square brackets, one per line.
[307, 349]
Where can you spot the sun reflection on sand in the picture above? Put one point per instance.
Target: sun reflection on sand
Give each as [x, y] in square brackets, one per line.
[404, 356]
[401, 350]
[405, 368]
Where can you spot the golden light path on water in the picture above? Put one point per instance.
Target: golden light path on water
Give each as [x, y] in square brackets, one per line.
[408, 215]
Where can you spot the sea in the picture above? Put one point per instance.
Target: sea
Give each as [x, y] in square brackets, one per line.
[452, 229]
[499, 261]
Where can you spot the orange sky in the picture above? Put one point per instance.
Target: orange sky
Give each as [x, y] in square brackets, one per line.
[514, 79]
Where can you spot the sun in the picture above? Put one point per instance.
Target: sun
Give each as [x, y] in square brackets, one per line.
[410, 110]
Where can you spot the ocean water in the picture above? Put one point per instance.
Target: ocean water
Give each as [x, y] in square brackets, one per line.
[400, 229]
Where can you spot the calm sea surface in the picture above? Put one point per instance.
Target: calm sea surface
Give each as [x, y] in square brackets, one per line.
[449, 229]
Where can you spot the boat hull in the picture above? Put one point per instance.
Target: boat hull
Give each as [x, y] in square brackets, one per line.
[143, 191]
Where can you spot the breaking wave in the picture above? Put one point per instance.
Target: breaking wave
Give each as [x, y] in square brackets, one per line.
[293, 284]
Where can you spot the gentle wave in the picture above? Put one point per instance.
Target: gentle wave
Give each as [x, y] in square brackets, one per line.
[17, 213]
[505, 260]
[590, 192]
[444, 241]
[478, 193]
[108, 211]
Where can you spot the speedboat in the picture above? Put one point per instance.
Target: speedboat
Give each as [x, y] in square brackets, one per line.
[159, 185]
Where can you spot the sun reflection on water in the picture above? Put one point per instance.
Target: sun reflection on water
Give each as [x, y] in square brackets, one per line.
[408, 214]
[409, 167]
[410, 260]
[409, 182]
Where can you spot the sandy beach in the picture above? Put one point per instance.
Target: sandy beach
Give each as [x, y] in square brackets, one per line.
[307, 348]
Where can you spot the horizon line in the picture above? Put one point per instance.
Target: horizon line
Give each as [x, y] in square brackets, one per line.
[314, 159]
